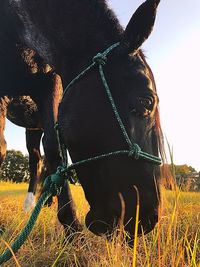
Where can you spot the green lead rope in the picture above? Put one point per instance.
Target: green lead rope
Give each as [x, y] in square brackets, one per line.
[27, 229]
[52, 187]
[53, 183]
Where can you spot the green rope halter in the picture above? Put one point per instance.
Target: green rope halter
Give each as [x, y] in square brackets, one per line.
[134, 151]
[54, 182]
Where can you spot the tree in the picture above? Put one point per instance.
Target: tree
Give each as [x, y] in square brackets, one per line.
[183, 169]
[186, 177]
[15, 167]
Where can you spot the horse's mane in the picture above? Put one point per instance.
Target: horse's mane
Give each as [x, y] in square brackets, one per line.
[103, 14]
[158, 128]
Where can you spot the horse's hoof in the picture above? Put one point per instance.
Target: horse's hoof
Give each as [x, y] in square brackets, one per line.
[72, 232]
[75, 226]
[29, 202]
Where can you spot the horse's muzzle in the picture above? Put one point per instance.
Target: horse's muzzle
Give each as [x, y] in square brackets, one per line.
[101, 222]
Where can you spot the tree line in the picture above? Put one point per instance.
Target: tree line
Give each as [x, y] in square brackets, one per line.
[16, 168]
[184, 176]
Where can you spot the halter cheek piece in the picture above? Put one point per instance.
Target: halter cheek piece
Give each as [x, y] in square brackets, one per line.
[134, 150]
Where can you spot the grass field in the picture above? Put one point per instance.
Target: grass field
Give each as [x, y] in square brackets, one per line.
[174, 242]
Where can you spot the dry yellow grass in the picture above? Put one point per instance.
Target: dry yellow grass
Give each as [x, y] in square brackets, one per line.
[174, 242]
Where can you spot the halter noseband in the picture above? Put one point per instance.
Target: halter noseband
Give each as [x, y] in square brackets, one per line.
[134, 150]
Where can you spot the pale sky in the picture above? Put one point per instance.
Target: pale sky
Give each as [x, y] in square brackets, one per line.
[173, 54]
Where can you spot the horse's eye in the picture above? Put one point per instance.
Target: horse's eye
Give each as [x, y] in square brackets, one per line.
[146, 102]
[143, 106]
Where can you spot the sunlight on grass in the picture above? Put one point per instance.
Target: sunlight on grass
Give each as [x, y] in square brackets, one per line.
[174, 242]
[10, 188]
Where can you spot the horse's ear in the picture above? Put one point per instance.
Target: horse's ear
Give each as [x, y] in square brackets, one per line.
[140, 26]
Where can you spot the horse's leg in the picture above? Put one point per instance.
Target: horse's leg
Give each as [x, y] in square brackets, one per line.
[33, 138]
[66, 211]
[3, 145]
[3, 110]
[66, 214]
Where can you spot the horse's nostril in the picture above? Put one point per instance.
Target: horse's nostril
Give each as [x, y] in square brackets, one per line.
[100, 223]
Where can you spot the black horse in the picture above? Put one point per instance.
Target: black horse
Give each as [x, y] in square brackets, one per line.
[29, 95]
[67, 34]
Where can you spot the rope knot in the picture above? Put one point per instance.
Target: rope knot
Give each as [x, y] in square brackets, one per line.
[100, 59]
[135, 151]
[54, 183]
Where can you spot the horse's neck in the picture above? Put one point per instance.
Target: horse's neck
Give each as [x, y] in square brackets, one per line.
[88, 24]
[66, 32]
[85, 27]
[90, 27]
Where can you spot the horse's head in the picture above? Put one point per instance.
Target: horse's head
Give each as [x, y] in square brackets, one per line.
[89, 127]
